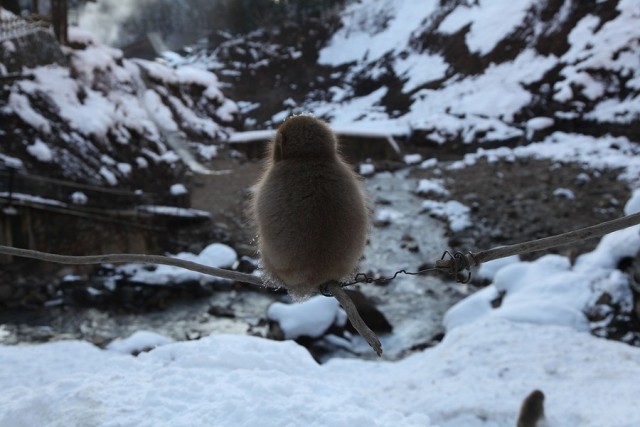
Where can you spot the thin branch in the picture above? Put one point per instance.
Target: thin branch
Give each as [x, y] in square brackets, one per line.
[334, 287]
[353, 315]
[139, 258]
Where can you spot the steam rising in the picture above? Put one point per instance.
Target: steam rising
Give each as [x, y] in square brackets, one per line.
[104, 19]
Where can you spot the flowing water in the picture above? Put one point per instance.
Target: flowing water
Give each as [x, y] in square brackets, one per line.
[414, 305]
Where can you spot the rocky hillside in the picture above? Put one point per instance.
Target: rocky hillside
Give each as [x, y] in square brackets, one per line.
[450, 75]
[452, 72]
[90, 115]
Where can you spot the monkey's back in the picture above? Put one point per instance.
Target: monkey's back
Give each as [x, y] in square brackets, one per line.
[312, 221]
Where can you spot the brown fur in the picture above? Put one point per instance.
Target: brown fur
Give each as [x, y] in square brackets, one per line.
[309, 209]
[532, 410]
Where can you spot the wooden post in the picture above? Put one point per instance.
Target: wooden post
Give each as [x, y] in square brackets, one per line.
[59, 18]
[65, 22]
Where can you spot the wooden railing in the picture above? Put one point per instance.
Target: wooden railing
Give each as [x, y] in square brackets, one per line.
[12, 26]
[79, 195]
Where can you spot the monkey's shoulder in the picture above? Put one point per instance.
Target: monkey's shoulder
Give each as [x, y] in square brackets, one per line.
[311, 187]
[303, 173]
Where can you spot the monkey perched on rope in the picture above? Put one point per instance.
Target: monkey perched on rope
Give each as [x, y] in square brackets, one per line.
[310, 209]
[312, 216]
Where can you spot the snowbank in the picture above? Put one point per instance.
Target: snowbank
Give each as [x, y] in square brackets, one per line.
[606, 152]
[550, 290]
[476, 377]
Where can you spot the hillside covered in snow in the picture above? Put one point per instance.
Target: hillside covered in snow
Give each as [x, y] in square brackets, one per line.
[96, 117]
[453, 73]
[448, 72]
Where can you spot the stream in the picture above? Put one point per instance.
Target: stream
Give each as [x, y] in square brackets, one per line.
[413, 305]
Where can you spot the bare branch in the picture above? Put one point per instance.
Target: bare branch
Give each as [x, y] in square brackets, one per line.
[333, 287]
[353, 315]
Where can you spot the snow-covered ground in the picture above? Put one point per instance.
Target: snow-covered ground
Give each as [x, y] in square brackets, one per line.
[476, 377]
[491, 358]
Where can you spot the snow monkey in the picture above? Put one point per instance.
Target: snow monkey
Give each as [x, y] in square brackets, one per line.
[532, 410]
[309, 208]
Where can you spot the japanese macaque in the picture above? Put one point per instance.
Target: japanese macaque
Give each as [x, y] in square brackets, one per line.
[309, 208]
[532, 410]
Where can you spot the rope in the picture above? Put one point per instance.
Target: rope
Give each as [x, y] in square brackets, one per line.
[453, 264]
[462, 262]
[139, 258]
[363, 278]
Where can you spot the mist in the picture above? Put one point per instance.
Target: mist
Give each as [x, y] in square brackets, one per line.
[118, 23]
[105, 18]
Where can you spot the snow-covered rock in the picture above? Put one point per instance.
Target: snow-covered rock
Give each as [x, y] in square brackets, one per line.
[69, 116]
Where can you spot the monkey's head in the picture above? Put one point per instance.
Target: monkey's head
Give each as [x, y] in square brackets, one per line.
[532, 410]
[537, 400]
[303, 137]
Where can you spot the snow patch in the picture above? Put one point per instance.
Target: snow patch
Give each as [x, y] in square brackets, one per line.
[564, 193]
[178, 190]
[78, 198]
[40, 151]
[366, 169]
[22, 107]
[216, 255]
[108, 176]
[310, 318]
[392, 22]
[453, 211]
[138, 342]
[431, 186]
[412, 159]
[490, 20]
